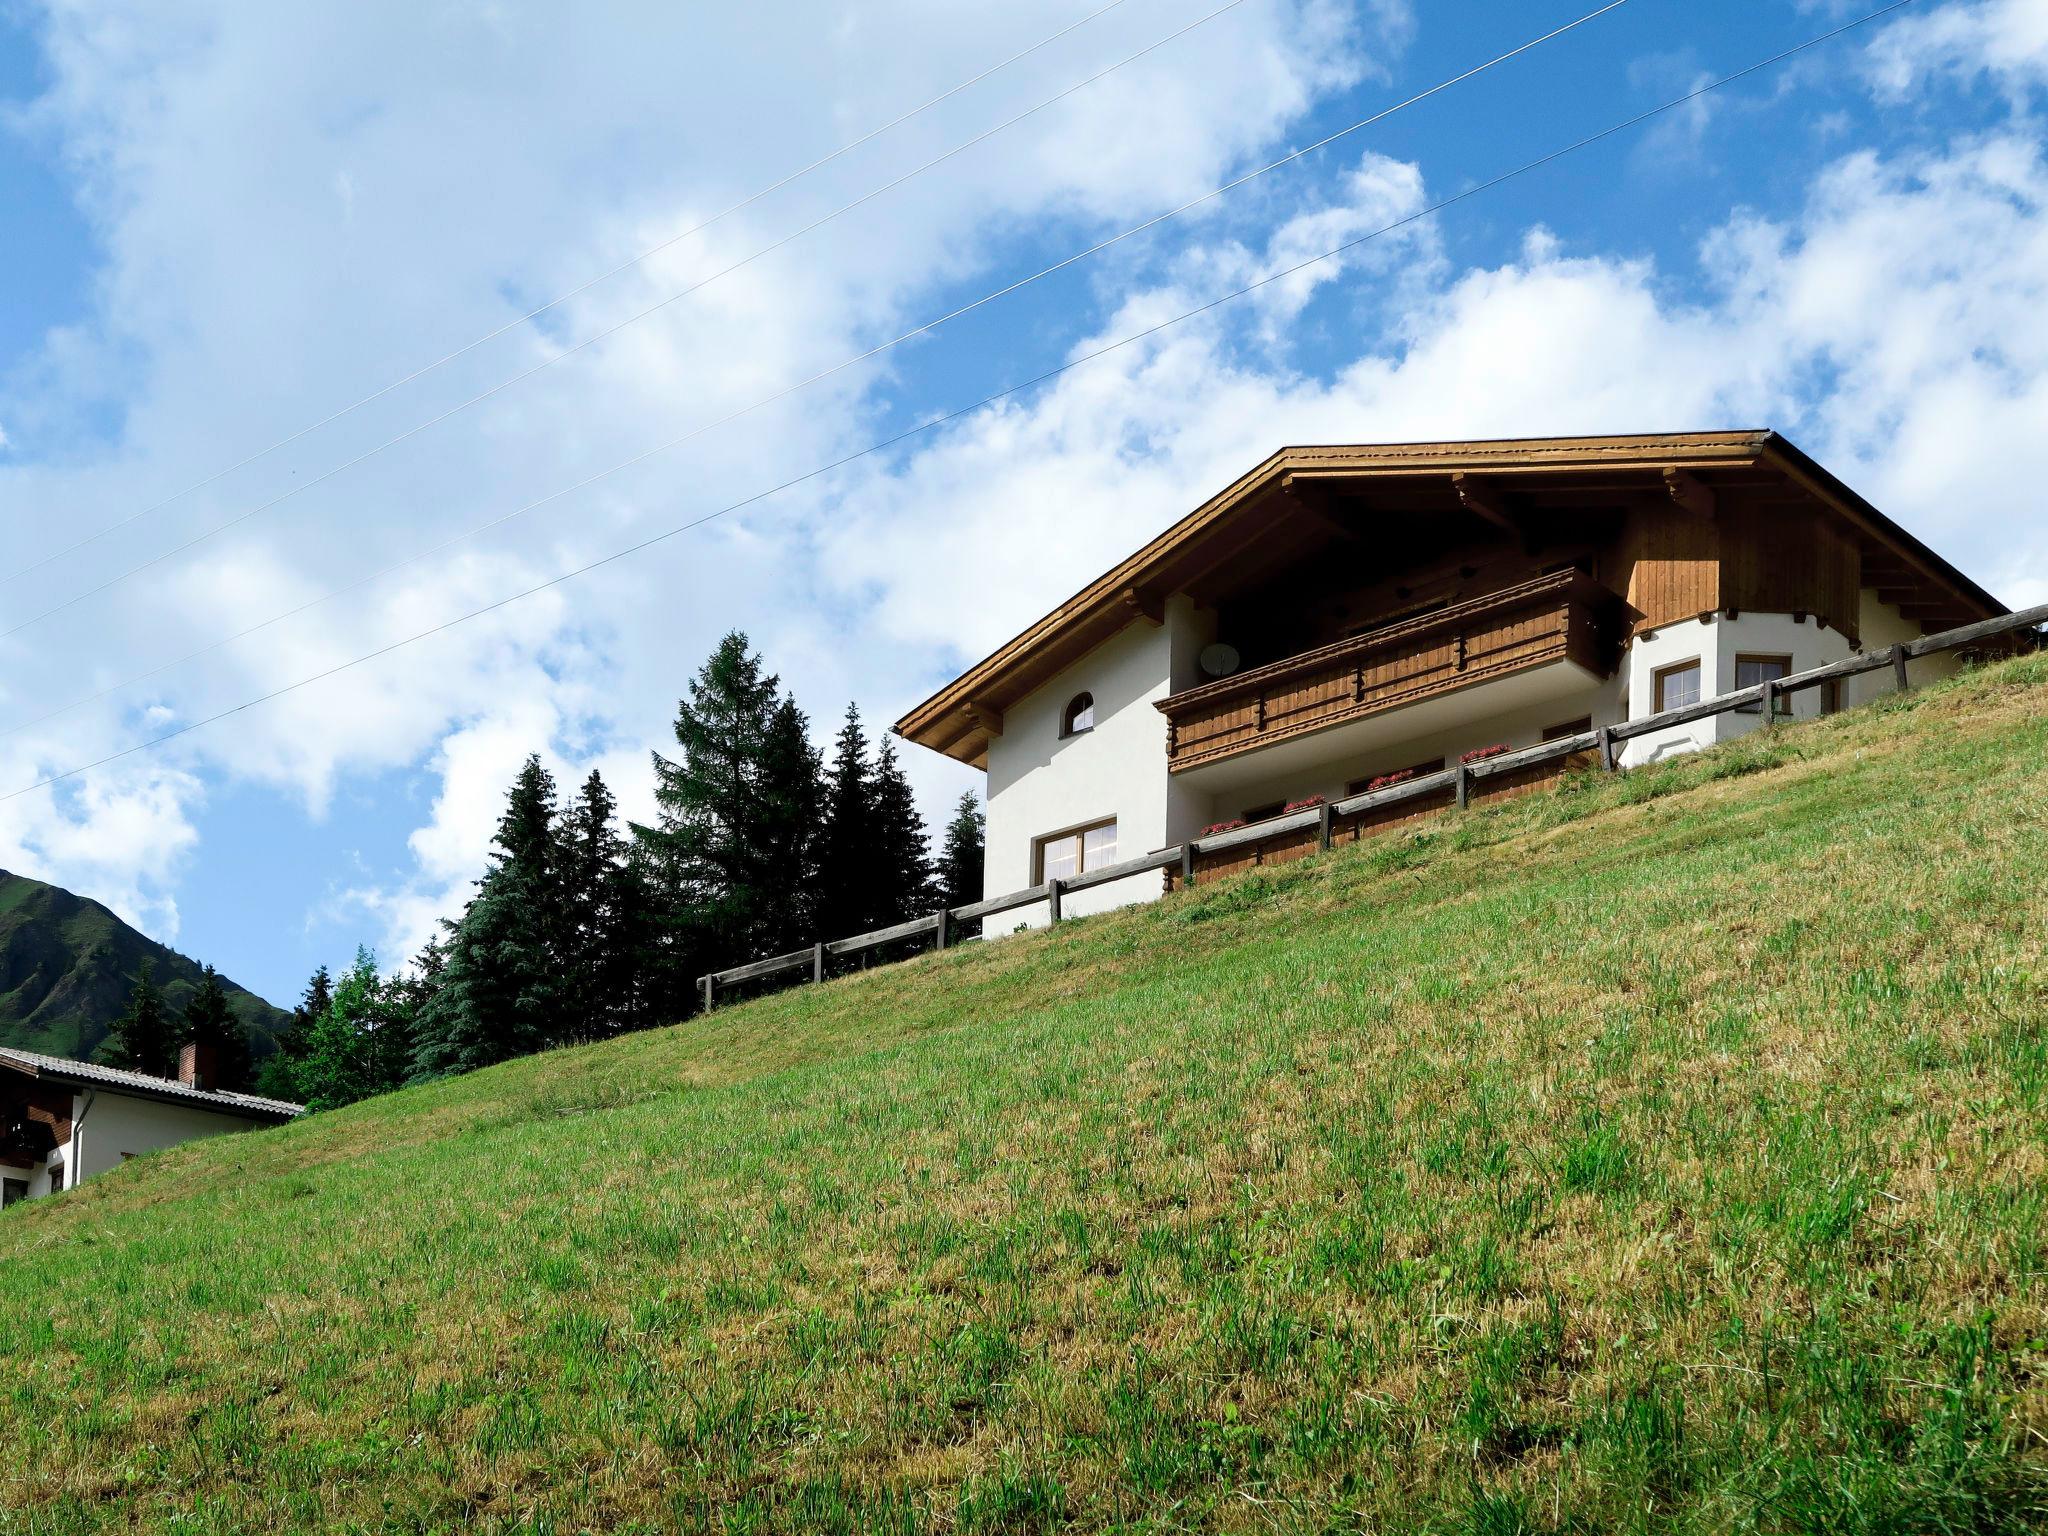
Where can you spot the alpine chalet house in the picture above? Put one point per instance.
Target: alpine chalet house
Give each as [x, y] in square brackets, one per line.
[62, 1122]
[1342, 616]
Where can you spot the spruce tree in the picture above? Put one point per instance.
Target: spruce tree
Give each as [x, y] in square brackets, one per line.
[729, 854]
[500, 995]
[278, 1077]
[903, 860]
[848, 841]
[209, 1020]
[959, 874]
[142, 1039]
[792, 796]
[599, 939]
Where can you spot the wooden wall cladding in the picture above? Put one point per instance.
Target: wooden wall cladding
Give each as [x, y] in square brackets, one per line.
[1673, 565]
[1790, 560]
[1745, 558]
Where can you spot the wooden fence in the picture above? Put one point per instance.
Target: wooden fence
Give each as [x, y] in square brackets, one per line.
[1460, 783]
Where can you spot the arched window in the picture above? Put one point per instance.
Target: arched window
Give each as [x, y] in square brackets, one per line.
[1079, 716]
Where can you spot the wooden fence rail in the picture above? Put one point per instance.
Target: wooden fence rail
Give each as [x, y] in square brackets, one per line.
[1605, 740]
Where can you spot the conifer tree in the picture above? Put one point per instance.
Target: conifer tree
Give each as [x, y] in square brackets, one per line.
[602, 908]
[341, 1066]
[903, 860]
[847, 841]
[278, 1076]
[209, 1020]
[729, 853]
[141, 1039]
[959, 874]
[793, 795]
[499, 995]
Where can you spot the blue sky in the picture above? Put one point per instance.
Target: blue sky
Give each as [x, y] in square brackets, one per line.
[222, 225]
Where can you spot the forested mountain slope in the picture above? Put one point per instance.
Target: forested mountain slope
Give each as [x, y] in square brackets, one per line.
[67, 965]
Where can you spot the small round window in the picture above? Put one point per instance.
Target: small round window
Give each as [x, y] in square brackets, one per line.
[1080, 715]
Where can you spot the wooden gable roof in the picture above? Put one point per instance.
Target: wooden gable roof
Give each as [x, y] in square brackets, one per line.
[1273, 514]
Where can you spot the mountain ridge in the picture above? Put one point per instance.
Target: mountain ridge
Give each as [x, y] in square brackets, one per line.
[68, 964]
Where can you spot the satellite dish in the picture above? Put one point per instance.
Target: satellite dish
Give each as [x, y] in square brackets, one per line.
[1218, 660]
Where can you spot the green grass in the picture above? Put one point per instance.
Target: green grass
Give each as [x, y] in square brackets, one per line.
[1665, 1154]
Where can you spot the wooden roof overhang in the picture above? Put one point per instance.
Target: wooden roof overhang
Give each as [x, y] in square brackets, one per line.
[1303, 498]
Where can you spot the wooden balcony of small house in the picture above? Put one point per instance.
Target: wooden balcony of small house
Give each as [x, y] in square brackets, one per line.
[1546, 639]
[1356, 826]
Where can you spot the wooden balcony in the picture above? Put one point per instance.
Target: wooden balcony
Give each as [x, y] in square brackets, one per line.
[1567, 617]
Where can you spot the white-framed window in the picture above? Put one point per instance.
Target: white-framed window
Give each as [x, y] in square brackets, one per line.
[1079, 715]
[1675, 686]
[1067, 854]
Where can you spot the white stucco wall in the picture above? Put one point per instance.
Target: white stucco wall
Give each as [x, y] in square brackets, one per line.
[1716, 644]
[1881, 626]
[116, 1128]
[1040, 783]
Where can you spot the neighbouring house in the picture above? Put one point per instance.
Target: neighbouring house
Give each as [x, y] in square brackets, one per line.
[62, 1122]
[1347, 615]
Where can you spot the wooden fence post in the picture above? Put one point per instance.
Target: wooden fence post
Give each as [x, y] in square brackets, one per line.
[1464, 785]
[1899, 667]
[1769, 704]
[1606, 735]
[818, 961]
[945, 921]
[1187, 865]
[707, 994]
[1052, 898]
[1323, 826]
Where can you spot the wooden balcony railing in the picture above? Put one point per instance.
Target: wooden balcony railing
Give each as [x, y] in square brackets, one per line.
[1553, 618]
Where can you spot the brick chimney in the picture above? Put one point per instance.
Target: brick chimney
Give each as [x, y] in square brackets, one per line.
[199, 1065]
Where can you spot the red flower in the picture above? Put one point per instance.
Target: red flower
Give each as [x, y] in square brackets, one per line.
[1220, 826]
[1302, 805]
[1398, 776]
[1480, 754]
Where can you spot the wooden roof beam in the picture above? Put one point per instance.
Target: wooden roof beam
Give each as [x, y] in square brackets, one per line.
[1312, 499]
[1144, 603]
[1688, 492]
[1482, 501]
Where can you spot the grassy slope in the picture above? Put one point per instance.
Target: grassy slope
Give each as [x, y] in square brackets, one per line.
[67, 966]
[1664, 1155]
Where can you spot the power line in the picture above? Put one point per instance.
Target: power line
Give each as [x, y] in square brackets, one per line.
[612, 330]
[562, 298]
[925, 328]
[987, 400]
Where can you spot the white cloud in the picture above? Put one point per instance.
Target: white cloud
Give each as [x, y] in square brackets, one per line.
[1898, 328]
[2005, 39]
[119, 836]
[293, 204]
